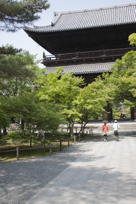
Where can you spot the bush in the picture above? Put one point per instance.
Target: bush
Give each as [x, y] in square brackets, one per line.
[19, 136]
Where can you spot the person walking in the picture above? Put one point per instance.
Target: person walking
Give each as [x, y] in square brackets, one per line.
[115, 128]
[105, 130]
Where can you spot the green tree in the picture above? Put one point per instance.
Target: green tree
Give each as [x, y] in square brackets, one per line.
[70, 89]
[122, 80]
[92, 101]
[35, 115]
[15, 14]
[4, 116]
[8, 49]
[63, 90]
[17, 73]
[124, 77]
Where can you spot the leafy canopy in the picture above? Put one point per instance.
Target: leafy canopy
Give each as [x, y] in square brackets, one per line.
[15, 13]
[132, 39]
[122, 80]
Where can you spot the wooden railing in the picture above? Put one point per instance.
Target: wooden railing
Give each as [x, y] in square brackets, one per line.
[50, 147]
[107, 53]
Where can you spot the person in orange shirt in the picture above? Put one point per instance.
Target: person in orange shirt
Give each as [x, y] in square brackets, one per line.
[105, 130]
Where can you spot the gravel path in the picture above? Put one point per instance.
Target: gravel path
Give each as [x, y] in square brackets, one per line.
[93, 172]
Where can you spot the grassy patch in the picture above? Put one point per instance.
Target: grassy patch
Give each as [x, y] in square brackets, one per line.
[11, 157]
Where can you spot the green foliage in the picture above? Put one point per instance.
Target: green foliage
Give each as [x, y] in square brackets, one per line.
[8, 49]
[17, 73]
[122, 81]
[14, 14]
[48, 117]
[4, 116]
[123, 77]
[18, 136]
[19, 101]
[91, 101]
[56, 135]
[121, 109]
[132, 39]
[50, 87]
[18, 65]
[63, 90]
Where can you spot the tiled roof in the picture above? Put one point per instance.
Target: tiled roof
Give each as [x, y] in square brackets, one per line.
[123, 14]
[85, 68]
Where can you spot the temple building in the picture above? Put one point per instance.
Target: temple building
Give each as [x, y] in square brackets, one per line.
[86, 42]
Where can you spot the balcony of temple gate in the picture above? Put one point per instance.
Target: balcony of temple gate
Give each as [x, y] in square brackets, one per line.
[87, 56]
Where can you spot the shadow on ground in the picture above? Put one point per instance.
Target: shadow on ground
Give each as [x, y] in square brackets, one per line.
[103, 186]
[21, 180]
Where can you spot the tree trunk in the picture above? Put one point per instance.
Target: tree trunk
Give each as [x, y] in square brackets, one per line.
[108, 113]
[68, 143]
[133, 113]
[5, 131]
[17, 152]
[60, 145]
[82, 128]
[44, 146]
[71, 130]
[74, 138]
[30, 141]
[22, 125]
[50, 149]
[71, 127]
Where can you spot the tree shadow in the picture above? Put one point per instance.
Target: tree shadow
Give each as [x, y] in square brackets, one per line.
[90, 185]
[21, 180]
[111, 137]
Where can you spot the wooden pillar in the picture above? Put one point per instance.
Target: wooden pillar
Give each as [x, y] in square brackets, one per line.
[60, 145]
[17, 152]
[108, 113]
[105, 116]
[133, 113]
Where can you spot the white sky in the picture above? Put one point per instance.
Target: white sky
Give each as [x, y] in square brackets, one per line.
[21, 40]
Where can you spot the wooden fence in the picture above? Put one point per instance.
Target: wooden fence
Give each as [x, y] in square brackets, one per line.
[47, 147]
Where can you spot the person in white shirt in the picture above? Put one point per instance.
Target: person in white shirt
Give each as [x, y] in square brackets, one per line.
[115, 128]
